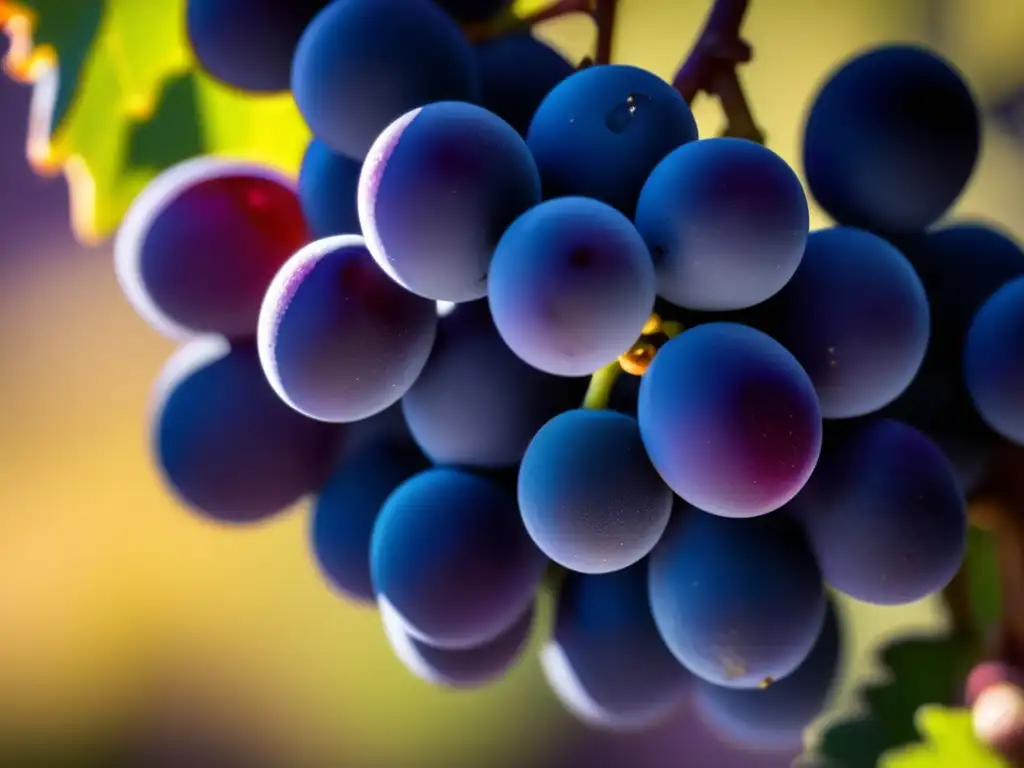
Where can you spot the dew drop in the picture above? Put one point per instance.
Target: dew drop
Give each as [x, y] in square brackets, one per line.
[621, 115]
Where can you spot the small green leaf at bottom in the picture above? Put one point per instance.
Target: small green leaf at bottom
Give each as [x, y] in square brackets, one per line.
[919, 671]
[948, 741]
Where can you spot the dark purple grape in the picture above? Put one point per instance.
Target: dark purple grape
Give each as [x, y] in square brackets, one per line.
[451, 558]
[226, 444]
[199, 246]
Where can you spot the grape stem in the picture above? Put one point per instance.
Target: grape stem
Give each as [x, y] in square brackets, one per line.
[711, 68]
[599, 391]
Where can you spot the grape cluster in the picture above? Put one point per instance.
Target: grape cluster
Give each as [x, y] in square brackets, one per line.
[425, 333]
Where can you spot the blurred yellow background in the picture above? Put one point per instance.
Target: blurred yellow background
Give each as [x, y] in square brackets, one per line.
[120, 611]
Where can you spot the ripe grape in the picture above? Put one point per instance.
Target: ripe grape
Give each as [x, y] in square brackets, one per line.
[338, 339]
[588, 494]
[439, 187]
[199, 246]
[988, 675]
[451, 557]
[462, 667]
[730, 420]
[516, 72]
[994, 361]
[856, 317]
[225, 443]
[473, 11]
[476, 403]
[327, 191]
[739, 602]
[891, 140]
[606, 661]
[248, 44]
[600, 132]
[726, 220]
[571, 286]
[885, 514]
[361, 64]
[775, 718]
[346, 510]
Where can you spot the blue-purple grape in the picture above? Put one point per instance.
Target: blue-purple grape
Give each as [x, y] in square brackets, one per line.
[588, 494]
[856, 316]
[438, 188]
[775, 718]
[605, 660]
[891, 140]
[461, 668]
[726, 221]
[994, 361]
[451, 558]
[362, 64]
[327, 190]
[226, 444]
[600, 132]
[739, 602]
[248, 44]
[339, 340]
[571, 286]
[730, 420]
[885, 514]
[516, 72]
[476, 403]
[346, 510]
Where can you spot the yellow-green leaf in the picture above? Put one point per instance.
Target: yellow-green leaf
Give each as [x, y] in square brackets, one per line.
[119, 97]
[948, 741]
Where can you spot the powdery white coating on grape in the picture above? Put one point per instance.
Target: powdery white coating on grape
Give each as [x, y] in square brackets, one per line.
[147, 205]
[435, 200]
[369, 182]
[461, 668]
[377, 341]
[573, 695]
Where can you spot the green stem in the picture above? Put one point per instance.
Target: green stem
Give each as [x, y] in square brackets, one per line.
[601, 384]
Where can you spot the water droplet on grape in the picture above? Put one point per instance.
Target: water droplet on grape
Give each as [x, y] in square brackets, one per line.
[621, 116]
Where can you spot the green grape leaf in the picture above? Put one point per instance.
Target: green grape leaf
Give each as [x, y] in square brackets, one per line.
[919, 671]
[948, 742]
[118, 98]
